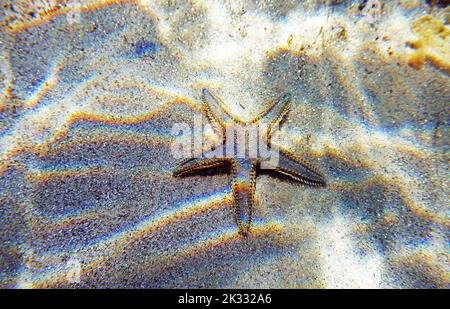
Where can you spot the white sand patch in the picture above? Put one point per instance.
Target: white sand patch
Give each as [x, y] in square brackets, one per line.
[342, 267]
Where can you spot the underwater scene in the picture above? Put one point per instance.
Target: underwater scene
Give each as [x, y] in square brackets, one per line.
[224, 144]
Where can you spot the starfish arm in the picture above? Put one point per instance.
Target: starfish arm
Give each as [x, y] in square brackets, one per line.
[196, 164]
[298, 169]
[243, 187]
[276, 111]
[209, 158]
[275, 114]
[216, 111]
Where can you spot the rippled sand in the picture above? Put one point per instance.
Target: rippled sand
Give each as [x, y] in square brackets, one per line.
[90, 93]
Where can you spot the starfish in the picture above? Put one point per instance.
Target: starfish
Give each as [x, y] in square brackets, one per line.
[243, 164]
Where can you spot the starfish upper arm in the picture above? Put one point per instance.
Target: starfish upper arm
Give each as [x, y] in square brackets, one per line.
[216, 111]
[196, 164]
[274, 114]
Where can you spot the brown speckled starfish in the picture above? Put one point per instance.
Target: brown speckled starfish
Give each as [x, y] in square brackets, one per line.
[243, 167]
